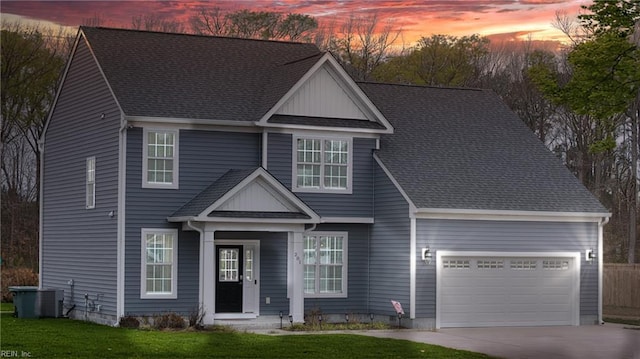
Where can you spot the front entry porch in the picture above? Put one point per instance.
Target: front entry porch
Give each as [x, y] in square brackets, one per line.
[231, 273]
[246, 201]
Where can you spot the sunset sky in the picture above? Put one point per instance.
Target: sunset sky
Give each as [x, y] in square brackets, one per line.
[501, 20]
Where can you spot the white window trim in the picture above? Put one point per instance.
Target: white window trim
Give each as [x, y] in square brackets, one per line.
[145, 156]
[345, 265]
[143, 265]
[321, 189]
[91, 195]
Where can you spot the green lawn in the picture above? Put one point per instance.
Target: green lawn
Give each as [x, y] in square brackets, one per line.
[6, 307]
[56, 338]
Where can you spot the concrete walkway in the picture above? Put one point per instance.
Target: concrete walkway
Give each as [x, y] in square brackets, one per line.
[608, 341]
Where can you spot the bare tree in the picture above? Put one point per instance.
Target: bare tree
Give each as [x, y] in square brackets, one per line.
[32, 61]
[151, 22]
[363, 44]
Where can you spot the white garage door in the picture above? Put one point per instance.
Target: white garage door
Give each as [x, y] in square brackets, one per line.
[483, 291]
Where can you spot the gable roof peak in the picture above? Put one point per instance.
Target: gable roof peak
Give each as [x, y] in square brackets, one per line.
[231, 38]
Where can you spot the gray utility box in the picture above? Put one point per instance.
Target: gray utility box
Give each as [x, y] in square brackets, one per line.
[51, 303]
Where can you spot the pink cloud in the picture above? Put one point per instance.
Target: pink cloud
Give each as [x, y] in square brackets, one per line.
[417, 18]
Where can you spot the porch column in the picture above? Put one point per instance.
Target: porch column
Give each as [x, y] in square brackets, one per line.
[296, 299]
[207, 273]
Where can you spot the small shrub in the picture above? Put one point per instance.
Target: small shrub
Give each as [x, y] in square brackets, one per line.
[313, 317]
[129, 322]
[168, 321]
[14, 277]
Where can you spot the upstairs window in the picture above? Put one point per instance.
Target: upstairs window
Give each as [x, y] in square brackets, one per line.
[91, 183]
[160, 164]
[322, 165]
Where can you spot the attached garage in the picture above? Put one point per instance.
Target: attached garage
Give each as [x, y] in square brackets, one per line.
[487, 289]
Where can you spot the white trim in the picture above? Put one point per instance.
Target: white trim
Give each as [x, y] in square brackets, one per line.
[176, 159]
[331, 129]
[576, 256]
[412, 207]
[321, 188]
[601, 225]
[366, 220]
[200, 231]
[351, 87]
[265, 149]
[323, 132]
[41, 213]
[143, 264]
[243, 242]
[345, 263]
[412, 268]
[121, 217]
[275, 185]
[508, 215]
[90, 160]
[186, 122]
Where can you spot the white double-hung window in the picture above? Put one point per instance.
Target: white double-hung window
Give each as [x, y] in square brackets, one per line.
[325, 264]
[90, 183]
[159, 263]
[322, 165]
[160, 162]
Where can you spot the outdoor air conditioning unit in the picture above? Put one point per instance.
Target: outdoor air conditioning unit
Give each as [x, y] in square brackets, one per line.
[50, 302]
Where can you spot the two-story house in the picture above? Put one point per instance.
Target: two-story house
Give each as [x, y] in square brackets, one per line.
[251, 178]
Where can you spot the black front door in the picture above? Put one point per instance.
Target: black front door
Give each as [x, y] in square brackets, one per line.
[229, 279]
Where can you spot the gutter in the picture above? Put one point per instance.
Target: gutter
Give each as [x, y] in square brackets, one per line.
[200, 267]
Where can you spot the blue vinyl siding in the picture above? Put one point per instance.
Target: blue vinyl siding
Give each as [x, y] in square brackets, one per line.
[204, 157]
[358, 277]
[357, 204]
[505, 236]
[389, 251]
[80, 244]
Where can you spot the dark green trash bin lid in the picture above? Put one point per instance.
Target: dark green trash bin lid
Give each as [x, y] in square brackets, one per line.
[24, 301]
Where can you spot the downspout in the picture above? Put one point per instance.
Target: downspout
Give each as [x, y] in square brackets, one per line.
[41, 210]
[122, 186]
[602, 223]
[200, 266]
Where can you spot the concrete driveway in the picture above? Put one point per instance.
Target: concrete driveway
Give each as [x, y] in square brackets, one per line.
[608, 341]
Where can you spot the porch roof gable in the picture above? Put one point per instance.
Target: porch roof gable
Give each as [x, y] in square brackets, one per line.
[251, 194]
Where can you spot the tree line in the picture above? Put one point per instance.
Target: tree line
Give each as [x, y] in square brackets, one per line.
[583, 101]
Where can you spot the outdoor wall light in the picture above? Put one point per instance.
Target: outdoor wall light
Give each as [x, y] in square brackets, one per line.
[291, 319]
[346, 317]
[426, 255]
[589, 255]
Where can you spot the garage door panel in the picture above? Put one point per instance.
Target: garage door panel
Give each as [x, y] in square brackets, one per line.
[504, 291]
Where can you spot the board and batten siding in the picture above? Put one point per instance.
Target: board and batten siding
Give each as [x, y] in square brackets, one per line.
[505, 236]
[322, 96]
[80, 244]
[389, 249]
[204, 157]
[357, 275]
[357, 204]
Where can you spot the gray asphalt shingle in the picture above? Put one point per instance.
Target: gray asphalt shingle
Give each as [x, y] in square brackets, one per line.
[464, 149]
[452, 148]
[198, 77]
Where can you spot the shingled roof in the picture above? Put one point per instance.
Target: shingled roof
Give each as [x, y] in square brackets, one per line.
[197, 77]
[464, 149]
